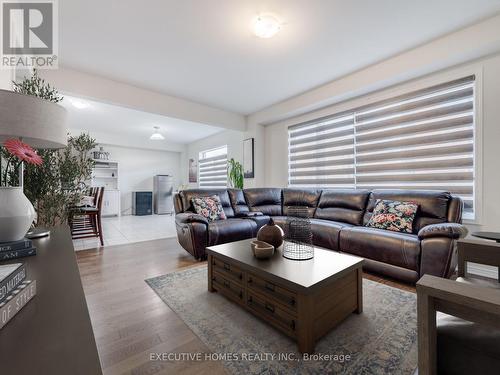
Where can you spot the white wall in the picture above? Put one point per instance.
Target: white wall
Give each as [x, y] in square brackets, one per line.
[232, 138]
[112, 92]
[137, 168]
[6, 77]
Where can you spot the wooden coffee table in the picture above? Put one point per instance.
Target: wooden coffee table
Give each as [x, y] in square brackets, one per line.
[303, 299]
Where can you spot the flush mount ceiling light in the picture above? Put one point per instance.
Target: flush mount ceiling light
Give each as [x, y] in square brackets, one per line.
[266, 26]
[156, 136]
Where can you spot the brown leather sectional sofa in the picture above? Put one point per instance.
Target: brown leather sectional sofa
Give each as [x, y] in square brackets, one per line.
[338, 218]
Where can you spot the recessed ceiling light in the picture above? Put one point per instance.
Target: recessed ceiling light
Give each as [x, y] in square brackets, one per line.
[266, 26]
[156, 136]
[79, 104]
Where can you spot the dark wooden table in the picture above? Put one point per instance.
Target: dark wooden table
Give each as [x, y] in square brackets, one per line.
[494, 236]
[303, 299]
[52, 334]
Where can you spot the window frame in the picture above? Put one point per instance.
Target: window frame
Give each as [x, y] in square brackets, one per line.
[356, 103]
[204, 152]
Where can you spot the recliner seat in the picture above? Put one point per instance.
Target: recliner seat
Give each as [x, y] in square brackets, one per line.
[338, 219]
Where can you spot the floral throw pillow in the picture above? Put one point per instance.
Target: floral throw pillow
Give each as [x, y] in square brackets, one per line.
[393, 215]
[209, 207]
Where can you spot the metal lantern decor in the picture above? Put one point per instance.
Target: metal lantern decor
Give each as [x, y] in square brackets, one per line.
[298, 235]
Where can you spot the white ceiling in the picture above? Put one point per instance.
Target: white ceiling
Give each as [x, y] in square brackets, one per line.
[203, 50]
[136, 125]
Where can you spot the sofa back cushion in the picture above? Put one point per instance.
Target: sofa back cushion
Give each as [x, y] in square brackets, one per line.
[344, 205]
[188, 195]
[301, 197]
[265, 200]
[432, 205]
[238, 201]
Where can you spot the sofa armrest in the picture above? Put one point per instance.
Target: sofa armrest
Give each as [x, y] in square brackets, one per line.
[189, 217]
[449, 230]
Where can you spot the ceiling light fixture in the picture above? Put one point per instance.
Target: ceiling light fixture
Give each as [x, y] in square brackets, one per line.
[266, 26]
[156, 136]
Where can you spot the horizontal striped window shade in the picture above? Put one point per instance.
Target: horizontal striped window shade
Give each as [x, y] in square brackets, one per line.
[213, 168]
[322, 153]
[421, 140]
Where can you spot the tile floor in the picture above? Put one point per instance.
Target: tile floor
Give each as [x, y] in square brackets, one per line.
[128, 229]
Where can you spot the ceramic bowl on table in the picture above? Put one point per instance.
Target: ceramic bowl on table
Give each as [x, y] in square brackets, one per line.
[262, 250]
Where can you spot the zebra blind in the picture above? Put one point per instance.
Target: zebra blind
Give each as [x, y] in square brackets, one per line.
[213, 168]
[422, 140]
[322, 153]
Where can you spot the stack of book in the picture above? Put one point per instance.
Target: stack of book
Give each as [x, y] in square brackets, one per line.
[17, 249]
[15, 291]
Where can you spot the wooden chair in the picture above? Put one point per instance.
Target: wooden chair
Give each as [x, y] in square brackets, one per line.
[85, 222]
[459, 320]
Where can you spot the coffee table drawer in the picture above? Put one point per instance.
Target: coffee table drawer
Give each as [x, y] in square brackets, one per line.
[228, 269]
[272, 313]
[274, 291]
[228, 287]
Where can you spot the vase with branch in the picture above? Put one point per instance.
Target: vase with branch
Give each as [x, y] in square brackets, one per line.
[17, 212]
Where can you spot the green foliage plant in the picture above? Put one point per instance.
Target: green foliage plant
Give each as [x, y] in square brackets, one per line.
[235, 174]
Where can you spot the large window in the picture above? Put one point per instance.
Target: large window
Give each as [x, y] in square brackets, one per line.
[213, 168]
[422, 140]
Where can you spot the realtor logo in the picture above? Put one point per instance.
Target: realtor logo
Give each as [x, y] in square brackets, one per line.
[29, 34]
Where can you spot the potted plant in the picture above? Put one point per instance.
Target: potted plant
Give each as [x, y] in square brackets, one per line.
[235, 174]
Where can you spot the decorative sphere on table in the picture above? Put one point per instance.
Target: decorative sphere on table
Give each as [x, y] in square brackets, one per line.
[271, 233]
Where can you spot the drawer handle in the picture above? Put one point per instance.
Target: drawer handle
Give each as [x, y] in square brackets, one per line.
[241, 276]
[292, 302]
[227, 267]
[270, 307]
[250, 280]
[226, 284]
[250, 299]
[269, 287]
[292, 325]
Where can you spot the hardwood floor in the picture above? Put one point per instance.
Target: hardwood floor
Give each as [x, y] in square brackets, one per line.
[130, 321]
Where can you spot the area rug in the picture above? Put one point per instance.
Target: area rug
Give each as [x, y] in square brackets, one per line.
[381, 340]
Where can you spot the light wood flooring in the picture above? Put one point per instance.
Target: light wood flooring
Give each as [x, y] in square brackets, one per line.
[130, 321]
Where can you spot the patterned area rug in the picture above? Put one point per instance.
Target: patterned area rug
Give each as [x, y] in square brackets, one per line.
[382, 340]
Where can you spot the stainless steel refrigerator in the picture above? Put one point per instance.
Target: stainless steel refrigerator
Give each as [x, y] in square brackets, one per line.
[163, 194]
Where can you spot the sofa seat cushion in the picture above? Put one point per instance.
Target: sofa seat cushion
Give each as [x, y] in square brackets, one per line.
[326, 233]
[399, 249]
[223, 231]
[465, 347]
